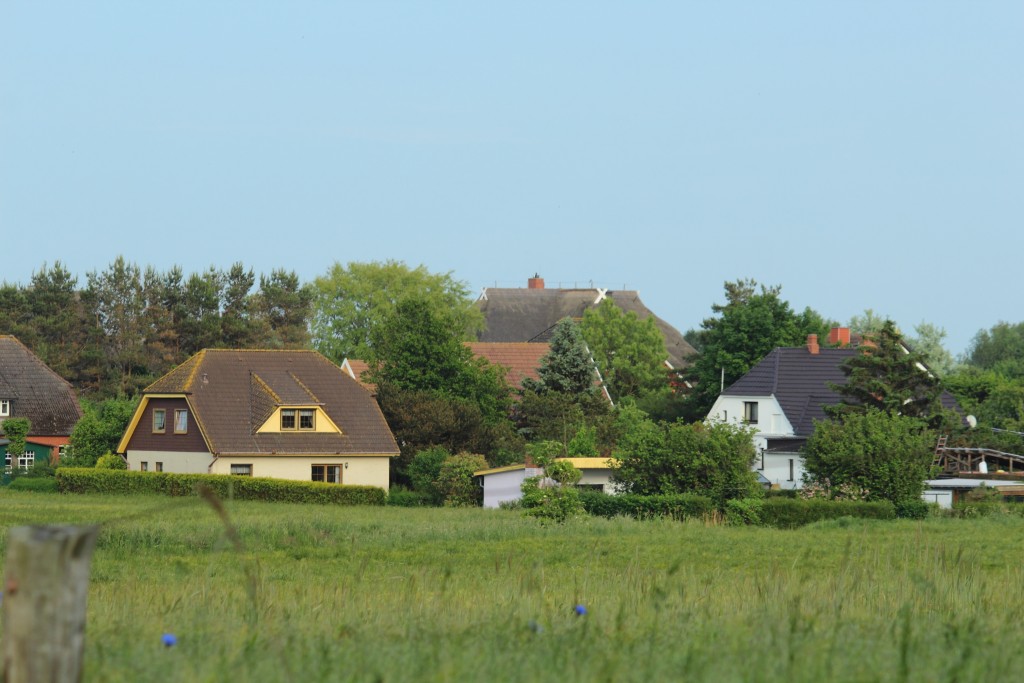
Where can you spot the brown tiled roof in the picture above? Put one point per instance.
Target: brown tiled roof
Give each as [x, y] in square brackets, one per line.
[355, 369]
[36, 391]
[530, 315]
[521, 358]
[232, 392]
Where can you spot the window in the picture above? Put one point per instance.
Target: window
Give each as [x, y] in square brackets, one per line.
[5, 408]
[159, 421]
[790, 469]
[302, 419]
[62, 451]
[144, 466]
[327, 473]
[242, 470]
[180, 421]
[750, 412]
[762, 461]
[159, 467]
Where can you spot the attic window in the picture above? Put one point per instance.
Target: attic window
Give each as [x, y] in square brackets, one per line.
[5, 408]
[302, 419]
[750, 412]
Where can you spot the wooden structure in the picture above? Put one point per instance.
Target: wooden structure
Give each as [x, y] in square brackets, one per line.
[959, 460]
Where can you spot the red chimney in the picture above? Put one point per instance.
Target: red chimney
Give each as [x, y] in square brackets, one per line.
[839, 336]
[812, 344]
[535, 282]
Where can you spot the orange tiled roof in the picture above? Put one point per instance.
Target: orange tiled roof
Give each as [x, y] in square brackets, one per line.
[521, 358]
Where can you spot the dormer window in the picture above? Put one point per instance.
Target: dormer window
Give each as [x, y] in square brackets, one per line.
[5, 408]
[302, 419]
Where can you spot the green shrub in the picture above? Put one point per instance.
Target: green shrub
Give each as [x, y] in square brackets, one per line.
[404, 498]
[744, 511]
[675, 506]
[786, 513]
[554, 502]
[914, 508]
[41, 484]
[109, 461]
[90, 480]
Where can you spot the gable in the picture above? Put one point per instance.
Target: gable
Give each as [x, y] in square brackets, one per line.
[35, 392]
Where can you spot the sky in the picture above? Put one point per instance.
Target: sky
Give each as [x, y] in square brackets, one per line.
[862, 155]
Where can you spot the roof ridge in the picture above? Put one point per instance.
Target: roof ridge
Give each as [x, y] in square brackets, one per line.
[187, 386]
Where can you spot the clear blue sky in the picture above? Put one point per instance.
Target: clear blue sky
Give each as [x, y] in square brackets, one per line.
[860, 154]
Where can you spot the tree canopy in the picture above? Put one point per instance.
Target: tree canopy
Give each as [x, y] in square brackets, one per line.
[753, 321]
[629, 352]
[351, 300]
[567, 368]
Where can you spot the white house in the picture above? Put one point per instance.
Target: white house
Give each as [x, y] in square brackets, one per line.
[781, 398]
[503, 484]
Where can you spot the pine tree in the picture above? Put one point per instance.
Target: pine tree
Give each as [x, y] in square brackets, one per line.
[567, 368]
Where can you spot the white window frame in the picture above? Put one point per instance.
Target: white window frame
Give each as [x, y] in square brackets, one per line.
[5, 407]
[241, 473]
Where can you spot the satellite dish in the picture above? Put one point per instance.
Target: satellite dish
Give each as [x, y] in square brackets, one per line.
[972, 421]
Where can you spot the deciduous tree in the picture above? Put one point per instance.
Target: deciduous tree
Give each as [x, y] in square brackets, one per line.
[630, 352]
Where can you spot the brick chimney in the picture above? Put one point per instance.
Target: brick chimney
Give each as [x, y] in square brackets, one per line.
[839, 336]
[812, 344]
[535, 282]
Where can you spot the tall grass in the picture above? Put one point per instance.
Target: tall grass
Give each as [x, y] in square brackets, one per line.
[396, 594]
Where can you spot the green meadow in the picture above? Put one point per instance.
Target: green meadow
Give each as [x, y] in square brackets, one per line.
[323, 593]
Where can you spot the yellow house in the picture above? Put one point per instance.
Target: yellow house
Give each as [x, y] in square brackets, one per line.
[260, 413]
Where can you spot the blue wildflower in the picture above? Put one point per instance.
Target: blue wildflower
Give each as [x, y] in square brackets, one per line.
[169, 640]
[580, 610]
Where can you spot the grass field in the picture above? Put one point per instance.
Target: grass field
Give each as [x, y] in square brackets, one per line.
[389, 594]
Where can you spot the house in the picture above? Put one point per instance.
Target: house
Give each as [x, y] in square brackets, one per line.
[947, 492]
[503, 484]
[282, 414]
[530, 314]
[29, 389]
[781, 398]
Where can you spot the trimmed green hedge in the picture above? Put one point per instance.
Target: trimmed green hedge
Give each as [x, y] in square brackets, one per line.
[676, 506]
[788, 513]
[90, 480]
[43, 484]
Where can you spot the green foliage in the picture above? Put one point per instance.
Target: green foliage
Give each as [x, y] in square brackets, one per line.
[567, 368]
[744, 511]
[37, 484]
[630, 352]
[888, 455]
[350, 301]
[1000, 348]
[710, 459]
[788, 513]
[122, 482]
[584, 444]
[885, 377]
[554, 416]
[402, 497]
[927, 341]
[424, 473]
[743, 331]
[551, 497]
[110, 461]
[912, 508]
[99, 430]
[16, 429]
[455, 480]
[673, 506]
[417, 348]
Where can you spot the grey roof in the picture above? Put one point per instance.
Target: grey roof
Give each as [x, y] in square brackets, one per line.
[530, 315]
[36, 391]
[800, 381]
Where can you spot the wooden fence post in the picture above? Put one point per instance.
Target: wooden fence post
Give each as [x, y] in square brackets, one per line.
[45, 588]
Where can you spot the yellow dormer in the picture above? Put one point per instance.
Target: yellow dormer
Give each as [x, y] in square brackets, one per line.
[298, 420]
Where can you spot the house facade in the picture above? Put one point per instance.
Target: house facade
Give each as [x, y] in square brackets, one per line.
[503, 484]
[782, 397]
[30, 389]
[261, 413]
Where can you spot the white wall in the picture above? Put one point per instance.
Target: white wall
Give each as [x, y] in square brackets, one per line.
[777, 469]
[502, 486]
[174, 461]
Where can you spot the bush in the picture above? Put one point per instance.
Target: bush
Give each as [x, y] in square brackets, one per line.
[41, 484]
[744, 511]
[554, 502]
[913, 509]
[109, 461]
[786, 513]
[674, 505]
[404, 498]
[455, 480]
[90, 480]
[424, 472]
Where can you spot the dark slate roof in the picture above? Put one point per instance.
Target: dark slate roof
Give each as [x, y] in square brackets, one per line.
[232, 392]
[530, 315]
[36, 391]
[801, 382]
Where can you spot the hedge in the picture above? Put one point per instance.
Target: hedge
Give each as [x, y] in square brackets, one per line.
[90, 480]
[43, 484]
[788, 513]
[676, 506]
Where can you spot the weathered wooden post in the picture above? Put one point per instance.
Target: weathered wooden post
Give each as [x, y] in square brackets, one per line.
[45, 588]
